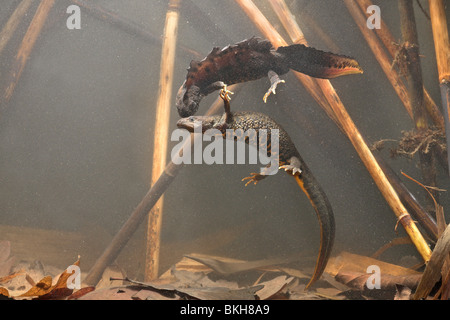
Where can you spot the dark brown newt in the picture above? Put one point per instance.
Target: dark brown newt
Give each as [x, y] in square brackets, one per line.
[289, 160]
[253, 59]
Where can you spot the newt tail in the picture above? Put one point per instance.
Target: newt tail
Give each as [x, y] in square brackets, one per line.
[324, 212]
[289, 159]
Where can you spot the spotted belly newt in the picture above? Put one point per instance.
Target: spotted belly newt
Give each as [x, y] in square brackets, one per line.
[289, 160]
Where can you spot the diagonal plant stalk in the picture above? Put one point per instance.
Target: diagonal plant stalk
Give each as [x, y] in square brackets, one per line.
[310, 84]
[351, 131]
[135, 219]
[389, 43]
[13, 22]
[26, 47]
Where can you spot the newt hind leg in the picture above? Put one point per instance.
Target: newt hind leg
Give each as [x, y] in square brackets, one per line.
[274, 81]
[293, 167]
[254, 177]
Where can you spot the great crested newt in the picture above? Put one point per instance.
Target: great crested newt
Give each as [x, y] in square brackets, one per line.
[254, 59]
[289, 160]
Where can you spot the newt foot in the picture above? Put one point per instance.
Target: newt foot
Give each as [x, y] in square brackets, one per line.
[294, 170]
[254, 177]
[272, 89]
[225, 93]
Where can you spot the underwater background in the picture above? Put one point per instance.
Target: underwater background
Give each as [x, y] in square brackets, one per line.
[76, 137]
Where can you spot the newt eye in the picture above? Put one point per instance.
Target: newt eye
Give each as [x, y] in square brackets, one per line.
[191, 119]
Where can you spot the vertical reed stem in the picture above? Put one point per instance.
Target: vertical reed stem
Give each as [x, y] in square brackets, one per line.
[414, 75]
[161, 132]
[442, 48]
[380, 55]
[415, 86]
[389, 42]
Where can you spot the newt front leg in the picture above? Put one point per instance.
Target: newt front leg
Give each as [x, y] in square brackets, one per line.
[225, 96]
[274, 81]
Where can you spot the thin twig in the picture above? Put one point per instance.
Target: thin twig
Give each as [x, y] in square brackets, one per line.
[417, 211]
[425, 187]
[423, 10]
[390, 244]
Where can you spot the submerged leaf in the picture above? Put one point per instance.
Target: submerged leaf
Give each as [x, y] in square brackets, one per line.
[227, 266]
[403, 293]
[79, 293]
[61, 289]
[349, 262]
[273, 287]
[42, 287]
[370, 277]
[4, 292]
[10, 277]
[359, 281]
[432, 272]
[112, 293]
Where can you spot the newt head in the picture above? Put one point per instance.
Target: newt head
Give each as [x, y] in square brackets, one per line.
[193, 122]
[188, 100]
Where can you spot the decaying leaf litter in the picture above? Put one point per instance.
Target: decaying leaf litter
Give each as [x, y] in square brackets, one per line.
[205, 277]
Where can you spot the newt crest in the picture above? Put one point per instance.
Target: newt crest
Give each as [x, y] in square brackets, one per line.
[254, 59]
